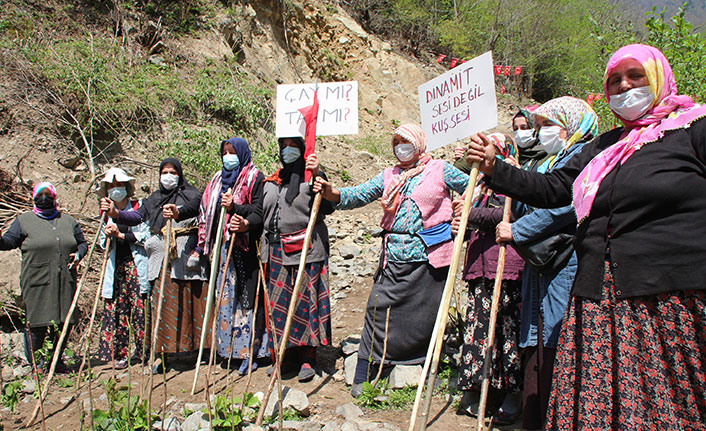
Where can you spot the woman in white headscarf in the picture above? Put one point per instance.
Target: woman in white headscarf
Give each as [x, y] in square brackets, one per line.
[126, 286]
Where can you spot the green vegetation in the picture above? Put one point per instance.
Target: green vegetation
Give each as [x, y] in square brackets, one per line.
[125, 411]
[384, 398]
[563, 45]
[11, 394]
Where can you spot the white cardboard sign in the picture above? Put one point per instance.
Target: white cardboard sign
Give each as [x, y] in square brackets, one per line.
[459, 103]
[338, 108]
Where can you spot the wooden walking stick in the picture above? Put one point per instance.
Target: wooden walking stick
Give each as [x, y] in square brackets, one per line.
[489, 341]
[67, 320]
[434, 351]
[252, 341]
[155, 324]
[86, 350]
[221, 288]
[294, 301]
[216, 253]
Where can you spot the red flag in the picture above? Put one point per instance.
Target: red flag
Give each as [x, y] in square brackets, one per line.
[498, 70]
[518, 70]
[502, 89]
[440, 58]
[463, 61]
[506, 72]
[598, 96]
[454, 62]
[310, 113]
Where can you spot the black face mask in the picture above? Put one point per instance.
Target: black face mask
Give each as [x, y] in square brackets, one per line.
[44, 202]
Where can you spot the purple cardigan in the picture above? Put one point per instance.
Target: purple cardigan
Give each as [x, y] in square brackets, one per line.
[482, 250]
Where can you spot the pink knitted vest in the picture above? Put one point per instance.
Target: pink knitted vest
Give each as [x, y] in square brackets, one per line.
[434, 202]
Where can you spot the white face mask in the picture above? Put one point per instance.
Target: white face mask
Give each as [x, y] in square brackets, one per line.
[633, 103]
[117, 194]
[524, 138]
[169, 181]
[290, 154]
[549, 139]
[230, 161]
[404, 152]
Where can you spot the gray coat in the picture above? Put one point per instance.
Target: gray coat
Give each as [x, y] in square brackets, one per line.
[293, 218]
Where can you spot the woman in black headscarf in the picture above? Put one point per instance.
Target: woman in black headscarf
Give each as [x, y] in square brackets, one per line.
[184, 300]
[286, 207]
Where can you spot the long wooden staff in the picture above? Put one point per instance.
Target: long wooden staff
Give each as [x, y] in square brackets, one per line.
[214, 323]
[85, 351]
[155, 324]
[252, 340]
[216, 252]
[437, 336]
[294, 301]
[67, 319]
[489, 341]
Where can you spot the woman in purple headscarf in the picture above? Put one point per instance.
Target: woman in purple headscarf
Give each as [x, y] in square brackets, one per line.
[52, 243]
[632, 350]
[237, 187]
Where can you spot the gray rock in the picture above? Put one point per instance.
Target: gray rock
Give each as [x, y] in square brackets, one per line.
[21, 371]
[386, 46]
[367, 425]
[339, 295]
[350, 345]
[349, 426]
[195, 422]
[405, 375]
[331, 426]
[331, 232]
[349, 368]
[28, 386]
[297, 426]
[349, 411]
[253, 427]
[376, 231]
[194, 407]
[348, 251]
[169, 424]
[292, 398]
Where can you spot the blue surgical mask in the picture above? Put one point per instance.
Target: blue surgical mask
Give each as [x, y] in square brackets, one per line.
[117, 194]
[230, 161]
[290, 154]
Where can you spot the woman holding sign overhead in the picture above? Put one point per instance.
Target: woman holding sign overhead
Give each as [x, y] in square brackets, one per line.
[416, 250]
[286, 205]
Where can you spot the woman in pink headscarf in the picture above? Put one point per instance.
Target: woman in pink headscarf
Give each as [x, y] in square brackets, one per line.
[416, 250]
[632, 351]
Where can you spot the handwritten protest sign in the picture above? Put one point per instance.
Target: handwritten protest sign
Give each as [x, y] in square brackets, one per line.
[459, 103]
[338, 108]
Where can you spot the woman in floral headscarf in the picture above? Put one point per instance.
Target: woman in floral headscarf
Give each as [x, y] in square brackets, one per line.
[632, 348]
[563, 126]
[416, 250]
[52, 243]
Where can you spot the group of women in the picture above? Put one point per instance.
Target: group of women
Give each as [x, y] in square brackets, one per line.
[602, 317]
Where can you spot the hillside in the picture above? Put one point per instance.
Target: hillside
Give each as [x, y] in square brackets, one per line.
[89, 85]
[695, 10]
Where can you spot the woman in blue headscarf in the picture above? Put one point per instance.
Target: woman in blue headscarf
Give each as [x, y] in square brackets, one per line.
[237, 187]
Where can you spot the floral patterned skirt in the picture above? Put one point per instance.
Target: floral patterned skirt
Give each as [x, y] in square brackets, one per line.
[235, 323]
[505, 362]
[631, 364]
[122, 314]
[311, 325]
